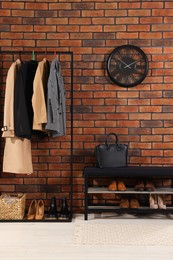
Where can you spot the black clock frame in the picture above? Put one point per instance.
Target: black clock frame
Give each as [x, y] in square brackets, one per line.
[133, 68]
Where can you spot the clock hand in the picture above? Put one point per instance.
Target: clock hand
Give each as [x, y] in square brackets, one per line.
[132, 63]
[127, 66]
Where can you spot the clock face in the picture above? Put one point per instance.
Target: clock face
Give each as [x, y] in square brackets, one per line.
[127, 66]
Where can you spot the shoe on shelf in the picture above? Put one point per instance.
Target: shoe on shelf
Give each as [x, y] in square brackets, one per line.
[39, 210]
[161, 202]
[113, 186]
[64, 211]
[124, 203]
[121, 186]
[52, 214]
[32, 210]
[134, 203]
[139, 186]
[153, 201]
[149, 186]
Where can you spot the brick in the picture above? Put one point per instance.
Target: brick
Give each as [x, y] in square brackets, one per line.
[157, 4]
[92, 13]
[23, 13]
[4, 13]
[58, 6]
[151, 153]
[40, 28]
[138, 28]
[22, 28]
[103, 20]
[68, 28]
[139, 160]
[150, 20]
[79, 21]
[150, 35]
[13, 5]
[83, 6]
[36, 6]
[151, 109]
[35, 36]
[114, 28]
[24, 43]
[132, 5]
[46, 13]
[33, 21]
[80, 35]
[162, 27]
[116, 13]
[127, 35]
[127, 20]
[106, 6]
[11, 35]
[4, 28]
[162, 12]
[10, 20]
[69, 13]
[139, 12]
[162, 161]
[91, 28]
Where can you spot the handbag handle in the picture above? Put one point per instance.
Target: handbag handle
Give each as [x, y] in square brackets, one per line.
[116, 139]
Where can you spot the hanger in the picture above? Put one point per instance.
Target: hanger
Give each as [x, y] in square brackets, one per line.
[20, 57]
[33, 56]
[55, 54]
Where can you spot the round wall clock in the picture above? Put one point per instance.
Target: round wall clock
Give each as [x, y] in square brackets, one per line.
[127, 66]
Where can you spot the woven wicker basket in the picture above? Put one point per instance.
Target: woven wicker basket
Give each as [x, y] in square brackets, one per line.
[12, 206]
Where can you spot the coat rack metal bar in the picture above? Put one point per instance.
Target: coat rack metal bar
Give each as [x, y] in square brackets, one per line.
[70, 53]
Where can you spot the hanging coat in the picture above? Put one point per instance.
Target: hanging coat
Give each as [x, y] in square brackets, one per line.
[23, 91]
[56, 108]
[39, 95]
[8, 124]
[17, 152]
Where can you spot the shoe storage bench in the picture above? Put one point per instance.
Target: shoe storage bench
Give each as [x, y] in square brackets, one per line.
[126, 173]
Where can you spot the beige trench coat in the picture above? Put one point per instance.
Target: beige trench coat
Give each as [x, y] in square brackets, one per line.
[17, 152]
[39, 93]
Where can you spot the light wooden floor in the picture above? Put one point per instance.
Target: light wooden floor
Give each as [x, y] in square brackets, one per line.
[50, 241]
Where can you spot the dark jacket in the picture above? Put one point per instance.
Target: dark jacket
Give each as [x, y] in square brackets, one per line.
[56, 108]
[23, 90]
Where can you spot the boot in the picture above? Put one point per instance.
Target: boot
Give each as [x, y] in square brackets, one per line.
[64, 212]
[52, 214]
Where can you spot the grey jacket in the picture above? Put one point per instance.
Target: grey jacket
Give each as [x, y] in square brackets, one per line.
[56, 108]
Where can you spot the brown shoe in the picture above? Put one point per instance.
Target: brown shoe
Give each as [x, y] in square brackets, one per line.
[139, 186]
[134, 204]
[124, 203]
[32, 210]
[121, 186]
[39, 210]
[112, 186]
[149, 186]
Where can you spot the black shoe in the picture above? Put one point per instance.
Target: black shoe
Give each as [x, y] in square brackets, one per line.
[64, 212]
[52, 214]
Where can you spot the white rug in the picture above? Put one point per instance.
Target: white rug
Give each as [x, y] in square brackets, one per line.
[151, 233]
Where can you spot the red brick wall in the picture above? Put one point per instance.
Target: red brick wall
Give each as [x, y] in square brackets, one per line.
[141, 116]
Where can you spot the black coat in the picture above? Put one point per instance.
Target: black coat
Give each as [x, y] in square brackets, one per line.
[23, 91]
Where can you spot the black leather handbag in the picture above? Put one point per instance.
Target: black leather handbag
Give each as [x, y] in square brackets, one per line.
[111, 155]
